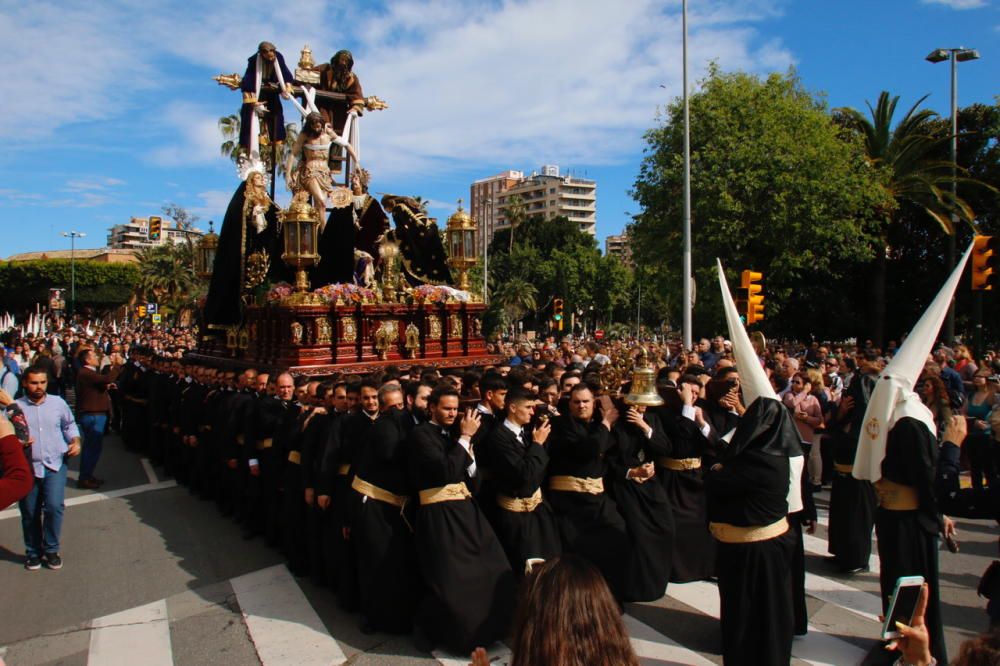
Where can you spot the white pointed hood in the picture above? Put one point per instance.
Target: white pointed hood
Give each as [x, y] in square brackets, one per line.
[755, 384]
[893, 397]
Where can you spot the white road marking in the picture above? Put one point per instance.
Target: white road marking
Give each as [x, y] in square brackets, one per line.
[100, 497]
[283, 625]
[148, 468]
[816, 648]
[138, 635]
[655, 648]
[819, 546]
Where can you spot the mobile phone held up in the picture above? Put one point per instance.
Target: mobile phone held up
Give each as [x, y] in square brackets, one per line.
[901, 606]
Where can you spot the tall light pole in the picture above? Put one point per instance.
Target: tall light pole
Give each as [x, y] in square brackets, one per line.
[72, 236]
[955, 56]
[686, 290]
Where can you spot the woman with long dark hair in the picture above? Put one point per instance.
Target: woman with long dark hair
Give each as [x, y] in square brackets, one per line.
[567, 616]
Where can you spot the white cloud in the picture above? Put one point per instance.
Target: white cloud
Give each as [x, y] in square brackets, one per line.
[958, 4]
[468, 83]
[92, 184]
[212, 206]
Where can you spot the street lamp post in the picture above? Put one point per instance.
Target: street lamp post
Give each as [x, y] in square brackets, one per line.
[72, 236]
[686, 289]
[955, 56]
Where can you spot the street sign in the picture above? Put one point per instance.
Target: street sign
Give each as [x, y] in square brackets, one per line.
[152, 308]
[599, 334]
[157, 318]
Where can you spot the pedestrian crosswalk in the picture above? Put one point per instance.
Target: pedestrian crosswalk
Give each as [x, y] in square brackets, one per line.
[272, 617]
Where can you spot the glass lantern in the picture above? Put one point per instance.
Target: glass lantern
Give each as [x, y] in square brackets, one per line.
[461, 233]
[204, 257]
[300, 231]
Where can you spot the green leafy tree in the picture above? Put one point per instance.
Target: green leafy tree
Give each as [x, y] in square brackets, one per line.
[229, 127]
[516, 298]
[777, 186]
[166, 275]
[907, 157]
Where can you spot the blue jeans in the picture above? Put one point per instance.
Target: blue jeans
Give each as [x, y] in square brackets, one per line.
[42, 513]
[92, 426]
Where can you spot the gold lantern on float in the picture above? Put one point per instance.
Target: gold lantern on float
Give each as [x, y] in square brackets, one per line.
[300, 231]
[643, 391]
[204, 257]
[461, 234]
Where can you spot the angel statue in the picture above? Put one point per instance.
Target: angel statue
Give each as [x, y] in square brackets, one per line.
[311, 176]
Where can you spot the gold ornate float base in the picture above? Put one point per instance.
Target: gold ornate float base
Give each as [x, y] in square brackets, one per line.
[321, 339]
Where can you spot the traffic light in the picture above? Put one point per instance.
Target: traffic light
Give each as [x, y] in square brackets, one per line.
[155, 226]
[985, 260]
[557, 312]
[754, 304]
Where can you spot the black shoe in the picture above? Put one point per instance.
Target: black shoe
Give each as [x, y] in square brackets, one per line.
[53, 561]
[88, 484]
[32, 563]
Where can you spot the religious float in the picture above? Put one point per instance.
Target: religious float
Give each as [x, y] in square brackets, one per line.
[327, 284]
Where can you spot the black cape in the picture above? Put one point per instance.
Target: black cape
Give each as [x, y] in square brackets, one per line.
[424, 260]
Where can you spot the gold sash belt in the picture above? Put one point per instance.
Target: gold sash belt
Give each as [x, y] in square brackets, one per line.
[577, 484]
[377, 493]
[843, 469]
[680, 464]
[265, 443]
[727, 533]
[344, 470]
[520, 504]
[449, 493]
[895, 496]
[295, 457]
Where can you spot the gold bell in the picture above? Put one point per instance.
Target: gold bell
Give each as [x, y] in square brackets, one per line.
[643, 390]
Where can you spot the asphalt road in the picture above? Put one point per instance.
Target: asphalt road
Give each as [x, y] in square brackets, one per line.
[155, 576]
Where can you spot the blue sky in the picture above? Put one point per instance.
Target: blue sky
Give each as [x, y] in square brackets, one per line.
[109, 109]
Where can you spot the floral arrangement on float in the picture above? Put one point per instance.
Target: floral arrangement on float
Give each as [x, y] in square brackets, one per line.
[428, 293]
[279, 292]
[345, 293]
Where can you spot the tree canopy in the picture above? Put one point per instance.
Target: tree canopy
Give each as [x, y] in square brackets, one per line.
[777, 187]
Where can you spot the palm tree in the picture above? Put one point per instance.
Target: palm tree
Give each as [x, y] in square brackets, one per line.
[230, 128]
[517, 297]
[515, 213]
[166, 273]
[907, 156]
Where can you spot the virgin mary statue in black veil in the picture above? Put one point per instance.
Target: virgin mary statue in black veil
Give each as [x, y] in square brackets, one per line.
[249, 250]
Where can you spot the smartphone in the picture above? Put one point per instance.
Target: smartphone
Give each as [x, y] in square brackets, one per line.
[901, 606]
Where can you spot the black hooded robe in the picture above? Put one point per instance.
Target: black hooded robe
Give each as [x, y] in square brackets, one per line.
[908, 540]
[274, 119]
[749, 488]
[852, 501]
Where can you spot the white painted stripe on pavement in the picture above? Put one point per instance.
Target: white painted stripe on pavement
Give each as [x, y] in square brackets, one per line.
[865, 604]
[819, 546]
[100, 497]
[148, 468]
[816, 648]
[138, 635]
[283, 626]
[655, 648]
[498, 653]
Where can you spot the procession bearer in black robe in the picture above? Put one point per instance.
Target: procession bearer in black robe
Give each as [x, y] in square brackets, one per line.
[751, 491]
[470, 587]
[588, 519]
[516, 457]
[381, 534]
[897, 452]
[639, 439]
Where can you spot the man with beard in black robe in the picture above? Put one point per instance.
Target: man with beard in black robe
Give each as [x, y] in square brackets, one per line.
[747, 507]
[588, 519]
[639, 439]
[852, 501]
[338, 77]
[470, 587]
[514, 453]
[381, 532]
[294, 510]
